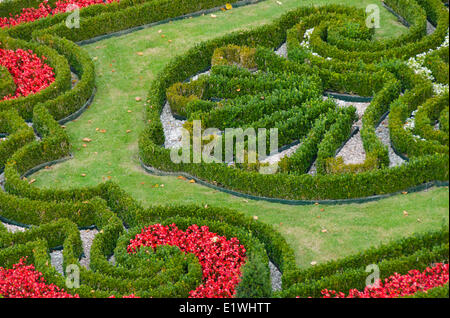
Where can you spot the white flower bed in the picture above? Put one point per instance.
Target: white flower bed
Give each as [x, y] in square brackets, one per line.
[417, 64]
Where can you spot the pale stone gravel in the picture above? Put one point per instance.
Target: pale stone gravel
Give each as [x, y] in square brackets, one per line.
[382, 132]
[275, 158]
[57, 261]
[75, 79]
[430, 28]
[195, 77]
[87, 237]
[353, 151]
[313, 170]
[275, 276]
[360, 108]
[14, 228]
[172, 128]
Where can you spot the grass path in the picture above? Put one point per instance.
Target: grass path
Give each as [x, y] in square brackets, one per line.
[122, 76]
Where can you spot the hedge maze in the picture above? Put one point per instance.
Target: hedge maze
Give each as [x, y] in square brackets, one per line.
[288, 74]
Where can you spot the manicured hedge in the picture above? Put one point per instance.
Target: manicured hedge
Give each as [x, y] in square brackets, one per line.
[391, 78]
[7, 85]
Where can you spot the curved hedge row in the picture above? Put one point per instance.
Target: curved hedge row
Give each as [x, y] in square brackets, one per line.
[54, 217]
[386, 80]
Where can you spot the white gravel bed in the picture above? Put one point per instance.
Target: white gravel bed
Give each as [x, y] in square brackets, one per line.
[430, 28]
[353, 151]
[382, 132]
[14, 228]
[112, 260]
[282, 51]
[75, 79]
[313, 170]
[275, 276]
[2, 181]
[172, 128]
[195, 77]
[87, 237]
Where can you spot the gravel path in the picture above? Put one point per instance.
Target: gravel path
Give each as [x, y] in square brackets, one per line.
[382, 132]
[172, 128]
[75, 79]
[430, 28]
[353, 151]
[280, 155]
[57, 261]
[275, 276]
[313, 170]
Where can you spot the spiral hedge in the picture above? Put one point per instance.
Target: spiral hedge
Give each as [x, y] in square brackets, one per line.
[335, 60]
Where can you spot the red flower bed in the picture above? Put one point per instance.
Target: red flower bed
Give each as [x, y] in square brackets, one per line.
[221, 259]
[399, 285]
[44, 10]
[29, 72]
[23, 281]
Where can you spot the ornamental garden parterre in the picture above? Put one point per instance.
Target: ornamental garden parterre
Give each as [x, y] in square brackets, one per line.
[317, 74]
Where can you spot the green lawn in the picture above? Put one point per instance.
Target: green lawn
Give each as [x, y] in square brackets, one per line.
[122, 75]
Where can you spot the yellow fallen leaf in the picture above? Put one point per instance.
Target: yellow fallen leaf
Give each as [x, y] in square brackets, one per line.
[192, 181]
[140, 53]
[405, 213]
[228, 6]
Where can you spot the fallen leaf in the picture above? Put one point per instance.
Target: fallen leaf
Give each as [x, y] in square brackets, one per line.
[128, 131]
[313, 263]
[103, 131]
[83, 175]
[87, 139]
[140, 53]
[405, 213]
[32, 181]
[84, 145]
[255, 217]
[138, 99]
[213, 16]
[192, 181]
[228, 6]
[324, 231]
